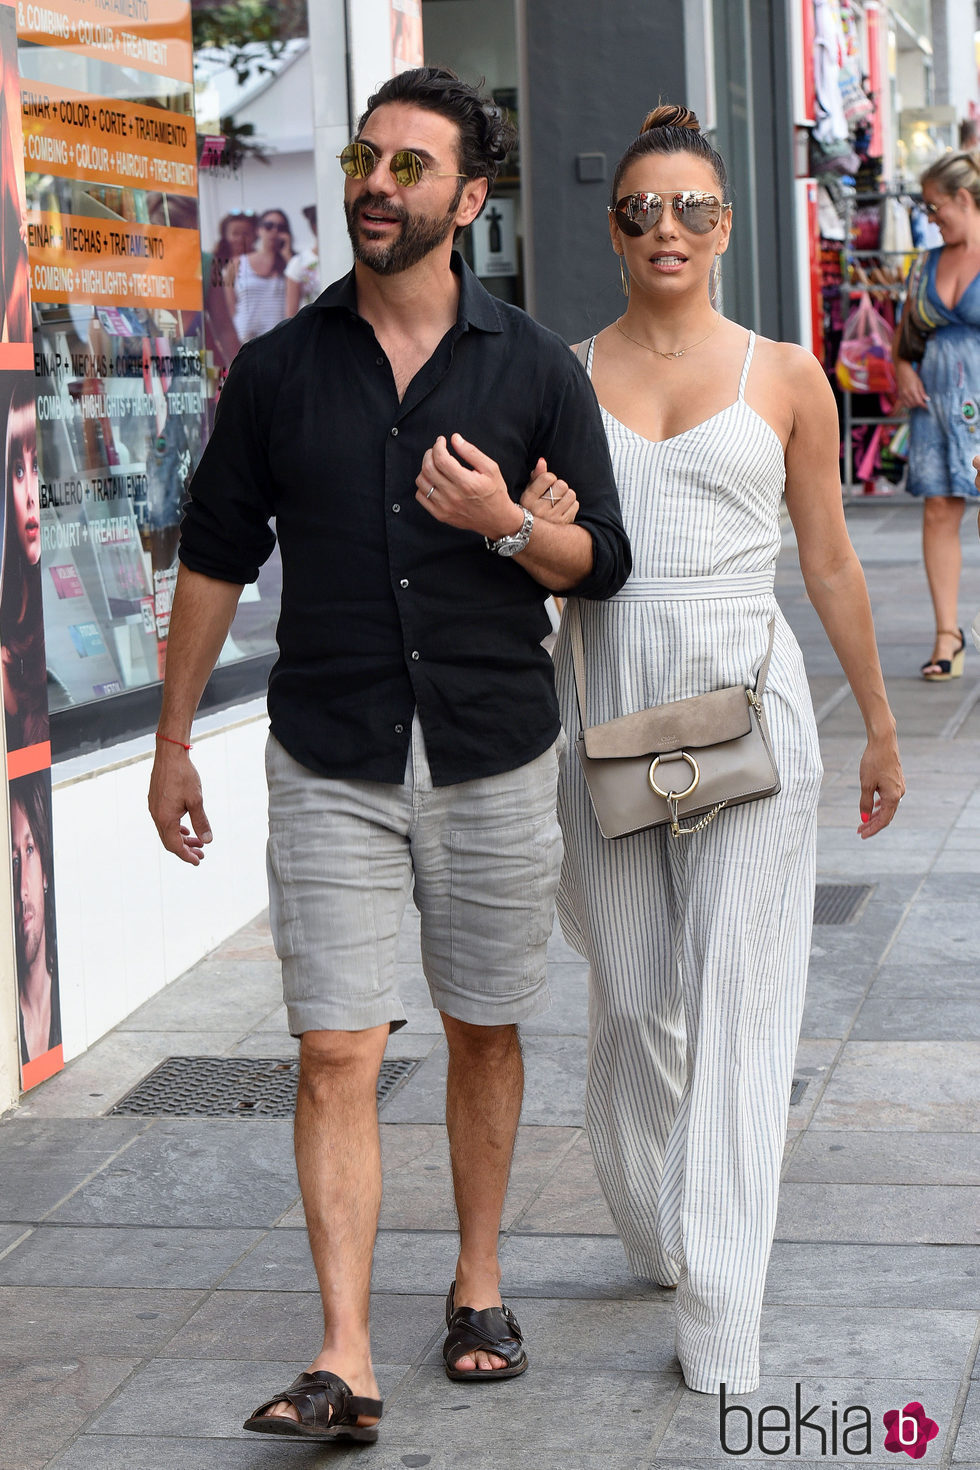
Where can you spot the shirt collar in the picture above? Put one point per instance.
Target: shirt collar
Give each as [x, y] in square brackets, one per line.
[477, 307]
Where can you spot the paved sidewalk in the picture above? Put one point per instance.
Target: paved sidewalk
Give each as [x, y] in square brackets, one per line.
[155, 1281]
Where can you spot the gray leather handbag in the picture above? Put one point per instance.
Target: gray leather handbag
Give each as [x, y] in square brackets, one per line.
[690, 758]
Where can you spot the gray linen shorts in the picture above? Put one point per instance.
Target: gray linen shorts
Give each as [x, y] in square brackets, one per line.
[482, 859]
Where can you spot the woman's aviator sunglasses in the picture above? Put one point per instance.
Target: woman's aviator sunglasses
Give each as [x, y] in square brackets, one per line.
[359, 161]
[635, 214]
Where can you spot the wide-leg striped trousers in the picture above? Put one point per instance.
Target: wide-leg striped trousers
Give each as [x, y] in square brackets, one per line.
[698, 948]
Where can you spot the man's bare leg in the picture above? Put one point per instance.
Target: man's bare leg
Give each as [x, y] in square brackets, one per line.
[338, 1159]
[484, 1090]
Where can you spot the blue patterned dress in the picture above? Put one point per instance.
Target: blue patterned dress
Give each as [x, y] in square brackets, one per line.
[944, 437]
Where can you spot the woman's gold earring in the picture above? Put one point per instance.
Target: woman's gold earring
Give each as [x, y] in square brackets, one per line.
[624, 278]
[715, 281]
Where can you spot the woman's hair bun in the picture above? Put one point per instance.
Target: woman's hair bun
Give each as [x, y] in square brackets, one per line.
[670, 115]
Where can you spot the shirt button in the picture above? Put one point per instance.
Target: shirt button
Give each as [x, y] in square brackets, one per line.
[396, 508]
[399, 729]
[381, 362]
[415, 653]
[394, 432]
[403, 582]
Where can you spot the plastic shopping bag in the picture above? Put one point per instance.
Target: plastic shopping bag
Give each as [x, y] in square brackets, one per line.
[864, 362]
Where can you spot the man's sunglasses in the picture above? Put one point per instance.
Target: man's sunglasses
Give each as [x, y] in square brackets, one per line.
[635, 214]
[359, 161]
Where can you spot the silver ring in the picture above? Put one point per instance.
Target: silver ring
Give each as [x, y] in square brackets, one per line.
[551, 496]
[430, 492]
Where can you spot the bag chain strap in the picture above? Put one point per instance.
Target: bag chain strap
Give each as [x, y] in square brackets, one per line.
[676, 830]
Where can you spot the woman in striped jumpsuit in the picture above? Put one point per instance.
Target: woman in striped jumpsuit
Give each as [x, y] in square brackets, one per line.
[698, 945]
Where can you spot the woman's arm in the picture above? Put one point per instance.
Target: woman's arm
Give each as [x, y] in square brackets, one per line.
[833, 577]
[911, 393]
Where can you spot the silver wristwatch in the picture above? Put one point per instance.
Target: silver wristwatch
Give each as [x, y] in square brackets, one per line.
[511, 545]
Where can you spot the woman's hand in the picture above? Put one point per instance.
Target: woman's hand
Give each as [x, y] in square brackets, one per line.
[911, 393]
[548, 497]
[881, 779]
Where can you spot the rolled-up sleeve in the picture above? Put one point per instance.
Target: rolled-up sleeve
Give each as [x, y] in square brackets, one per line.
[576, 450]
[225, 531]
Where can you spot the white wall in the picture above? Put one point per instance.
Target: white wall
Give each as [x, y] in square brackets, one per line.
[369, 24]
[131, 916]
[910, 79]
[954, 23]
[332, 128]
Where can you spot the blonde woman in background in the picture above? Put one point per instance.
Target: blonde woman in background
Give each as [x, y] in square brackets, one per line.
[942, 391]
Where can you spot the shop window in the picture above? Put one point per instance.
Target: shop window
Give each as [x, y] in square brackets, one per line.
[133, 329]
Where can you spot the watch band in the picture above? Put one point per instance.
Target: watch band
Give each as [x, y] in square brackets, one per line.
[511, 545]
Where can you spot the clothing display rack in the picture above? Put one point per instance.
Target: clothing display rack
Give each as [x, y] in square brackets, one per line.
[882, 273]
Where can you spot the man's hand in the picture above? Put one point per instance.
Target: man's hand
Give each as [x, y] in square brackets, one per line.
[471, 496]
[548, 497]
[175, 792]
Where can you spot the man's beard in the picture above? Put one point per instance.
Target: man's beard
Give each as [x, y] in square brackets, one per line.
[29, 940]
[417, 238]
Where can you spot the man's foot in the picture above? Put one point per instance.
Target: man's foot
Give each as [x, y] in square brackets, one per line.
[479, 1290]
[323, 1400]
[482, 1344]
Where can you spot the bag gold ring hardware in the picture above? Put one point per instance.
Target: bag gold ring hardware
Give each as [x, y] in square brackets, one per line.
[674, 795]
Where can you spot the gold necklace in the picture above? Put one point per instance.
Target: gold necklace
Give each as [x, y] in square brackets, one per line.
[679, 353]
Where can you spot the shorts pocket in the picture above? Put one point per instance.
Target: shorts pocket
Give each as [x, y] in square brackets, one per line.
[503, 882]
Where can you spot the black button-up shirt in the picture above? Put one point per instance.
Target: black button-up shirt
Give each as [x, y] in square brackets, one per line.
[385, 609]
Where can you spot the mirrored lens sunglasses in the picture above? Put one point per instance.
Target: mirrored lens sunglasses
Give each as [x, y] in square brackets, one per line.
[359, 161]
[696, 211]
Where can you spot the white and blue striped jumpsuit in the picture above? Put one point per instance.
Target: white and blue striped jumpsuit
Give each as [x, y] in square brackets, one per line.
[698, 946]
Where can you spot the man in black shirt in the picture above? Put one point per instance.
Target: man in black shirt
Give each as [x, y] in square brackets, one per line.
[389, 429]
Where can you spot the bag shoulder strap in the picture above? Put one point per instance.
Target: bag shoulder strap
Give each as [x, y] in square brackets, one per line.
[582, 351]
[574, 616]
[577, 642]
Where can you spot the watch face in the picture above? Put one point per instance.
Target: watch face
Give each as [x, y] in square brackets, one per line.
[511, 545]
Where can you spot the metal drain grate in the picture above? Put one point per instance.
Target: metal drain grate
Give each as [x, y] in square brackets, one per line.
[840, 903]
[233, 1087]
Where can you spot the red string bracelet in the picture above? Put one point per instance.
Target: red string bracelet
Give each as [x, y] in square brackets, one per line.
[171, 741]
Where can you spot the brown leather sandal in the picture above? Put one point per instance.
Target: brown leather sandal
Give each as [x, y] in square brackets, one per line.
[494, 1330]
[327, 1411]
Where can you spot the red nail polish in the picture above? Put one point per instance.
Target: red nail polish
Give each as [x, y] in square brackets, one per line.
[865, 816]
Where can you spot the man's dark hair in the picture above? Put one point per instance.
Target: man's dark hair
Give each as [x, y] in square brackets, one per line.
[486, 135]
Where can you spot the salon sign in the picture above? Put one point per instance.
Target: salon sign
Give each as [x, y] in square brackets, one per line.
[23, 664]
